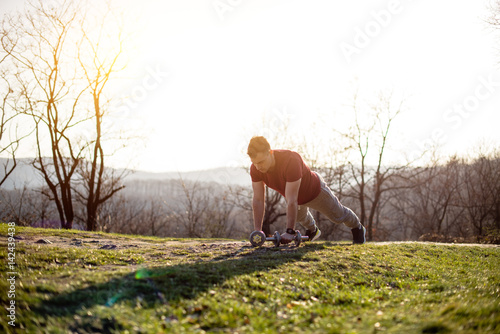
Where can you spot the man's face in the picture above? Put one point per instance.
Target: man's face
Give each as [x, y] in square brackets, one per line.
[263, 161]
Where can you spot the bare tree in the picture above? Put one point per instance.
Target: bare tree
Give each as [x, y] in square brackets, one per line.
[458, 199]
[123, 214]
[218, 222]
[202, 210]
[47, 87]
[190, 211]
[9, 134]
[479, 196]
[25, 206]
[427, 203]
[51, 41]
[8, 145]
[144, 215]
[99, 185]
[494, 18]
[370, 134]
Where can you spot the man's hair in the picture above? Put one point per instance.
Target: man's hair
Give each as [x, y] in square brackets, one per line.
[258, 144]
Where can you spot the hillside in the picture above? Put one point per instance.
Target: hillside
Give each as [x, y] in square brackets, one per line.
[25, 174]
[87, 282]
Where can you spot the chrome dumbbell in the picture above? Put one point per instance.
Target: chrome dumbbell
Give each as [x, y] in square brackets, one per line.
[258, 238]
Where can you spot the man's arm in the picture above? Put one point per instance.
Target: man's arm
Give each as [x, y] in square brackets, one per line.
[258, 204]
[291, 196]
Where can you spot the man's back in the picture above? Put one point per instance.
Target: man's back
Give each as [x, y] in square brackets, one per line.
[289, 167]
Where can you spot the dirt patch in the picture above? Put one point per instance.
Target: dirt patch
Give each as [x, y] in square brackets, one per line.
[113, 243]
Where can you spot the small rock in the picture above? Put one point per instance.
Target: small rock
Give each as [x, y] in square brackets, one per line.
[108, 247]
[43, 241]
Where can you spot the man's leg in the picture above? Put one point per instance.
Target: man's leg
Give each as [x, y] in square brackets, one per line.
[305, 218]
[329, 205]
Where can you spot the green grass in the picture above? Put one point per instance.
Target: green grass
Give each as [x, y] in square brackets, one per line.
[185, 287]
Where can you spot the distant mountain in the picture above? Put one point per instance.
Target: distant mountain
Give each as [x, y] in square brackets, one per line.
[25, 175]
[222, 175]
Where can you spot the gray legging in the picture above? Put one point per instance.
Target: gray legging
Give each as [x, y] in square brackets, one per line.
[329, 205]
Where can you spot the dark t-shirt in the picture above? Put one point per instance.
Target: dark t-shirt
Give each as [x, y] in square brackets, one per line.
[289, 167]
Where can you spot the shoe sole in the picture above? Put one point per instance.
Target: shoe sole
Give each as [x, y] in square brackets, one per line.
[317, 235]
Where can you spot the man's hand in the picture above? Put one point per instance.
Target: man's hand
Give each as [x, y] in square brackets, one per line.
[287, 238]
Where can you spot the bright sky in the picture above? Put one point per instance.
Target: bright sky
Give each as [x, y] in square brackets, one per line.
[205, 74]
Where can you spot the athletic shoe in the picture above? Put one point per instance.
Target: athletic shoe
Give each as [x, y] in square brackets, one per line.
[358, 235]
[313, 235]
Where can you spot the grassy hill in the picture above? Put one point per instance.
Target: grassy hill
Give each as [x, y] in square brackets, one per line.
[85, 282]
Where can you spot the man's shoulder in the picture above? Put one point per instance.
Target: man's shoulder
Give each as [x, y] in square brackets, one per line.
[287, 155]
[253, 170]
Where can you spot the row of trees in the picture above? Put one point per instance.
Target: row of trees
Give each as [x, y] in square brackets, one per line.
[461, 198]
[174, 208]
[458, 200]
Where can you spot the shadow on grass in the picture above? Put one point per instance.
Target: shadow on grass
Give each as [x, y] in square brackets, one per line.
[162, 285]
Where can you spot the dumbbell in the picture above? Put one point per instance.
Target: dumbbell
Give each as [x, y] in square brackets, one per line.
[258, 238]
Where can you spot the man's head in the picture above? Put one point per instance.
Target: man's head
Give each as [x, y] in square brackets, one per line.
[261, 154]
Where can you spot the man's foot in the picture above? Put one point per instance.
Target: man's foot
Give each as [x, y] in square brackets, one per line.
[313, 235]
[358, 235]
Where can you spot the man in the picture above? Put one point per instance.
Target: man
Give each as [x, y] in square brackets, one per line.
[286, 172]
